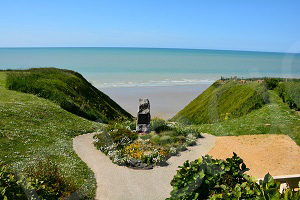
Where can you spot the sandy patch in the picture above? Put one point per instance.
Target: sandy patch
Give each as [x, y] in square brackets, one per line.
[276, 154]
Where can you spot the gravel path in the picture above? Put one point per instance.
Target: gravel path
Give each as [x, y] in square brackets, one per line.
[119, 182]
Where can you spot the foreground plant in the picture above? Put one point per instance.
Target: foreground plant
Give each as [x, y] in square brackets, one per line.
[208, 178]
[43, 180]
[50, 182]
[10, 185]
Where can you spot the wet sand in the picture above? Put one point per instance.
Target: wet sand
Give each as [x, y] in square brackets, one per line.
[165, 102]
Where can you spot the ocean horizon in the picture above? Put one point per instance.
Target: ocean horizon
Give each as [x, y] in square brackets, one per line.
[112, 67]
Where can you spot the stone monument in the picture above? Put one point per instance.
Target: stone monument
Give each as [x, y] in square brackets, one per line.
[143, 117]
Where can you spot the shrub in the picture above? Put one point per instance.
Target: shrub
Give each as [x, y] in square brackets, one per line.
[271, 83]
[10, 186]
[191, 140]
[114, 133]
[166, 139]
[157, 122]
[207, 178]
[50, 184]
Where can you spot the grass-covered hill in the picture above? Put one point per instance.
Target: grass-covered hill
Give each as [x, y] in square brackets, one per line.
[222, 101]
[276, 117]
[32, 128]
[68, 89]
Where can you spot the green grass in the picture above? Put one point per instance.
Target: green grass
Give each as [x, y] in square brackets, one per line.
[290, 93]
[222, 101]
[68, 89]
[33, 128]
[273, 118]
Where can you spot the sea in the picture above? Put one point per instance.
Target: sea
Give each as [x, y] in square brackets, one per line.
[152, 67]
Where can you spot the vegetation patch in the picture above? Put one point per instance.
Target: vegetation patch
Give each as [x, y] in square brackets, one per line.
[208, 178]
[33, 128]
[68, 89]
[123, 146]
[290, 93]
[222, 101]
[273, 118]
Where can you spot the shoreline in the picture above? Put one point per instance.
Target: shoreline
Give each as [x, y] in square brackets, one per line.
[165, 101]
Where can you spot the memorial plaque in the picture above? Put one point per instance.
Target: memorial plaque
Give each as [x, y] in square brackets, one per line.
[143, 116]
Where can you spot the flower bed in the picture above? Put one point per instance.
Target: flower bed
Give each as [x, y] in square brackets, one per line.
[124, 147]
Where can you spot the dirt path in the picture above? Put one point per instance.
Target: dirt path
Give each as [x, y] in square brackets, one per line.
[116, 182]
[276, 154]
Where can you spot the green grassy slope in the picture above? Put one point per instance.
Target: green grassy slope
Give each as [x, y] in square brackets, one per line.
[222, 101]
[33, 127]
[273, 118]
[290, 93]
[68, 89]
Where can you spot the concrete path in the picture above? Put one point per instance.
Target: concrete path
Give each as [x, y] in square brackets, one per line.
[119, 182]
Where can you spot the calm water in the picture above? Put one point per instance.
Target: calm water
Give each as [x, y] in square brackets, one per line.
[134, 67]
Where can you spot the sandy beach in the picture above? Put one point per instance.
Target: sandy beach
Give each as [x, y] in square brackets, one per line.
[165, 101]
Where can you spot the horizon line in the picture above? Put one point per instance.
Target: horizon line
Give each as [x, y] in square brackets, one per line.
[259, 51]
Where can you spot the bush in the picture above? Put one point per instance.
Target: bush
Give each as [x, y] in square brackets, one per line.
[50, 184]
[10, 186]
[157, 123]
[207, 178]
[271, 83]
[114, 133]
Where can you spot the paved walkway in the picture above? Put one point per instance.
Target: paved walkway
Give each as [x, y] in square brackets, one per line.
[119, 182]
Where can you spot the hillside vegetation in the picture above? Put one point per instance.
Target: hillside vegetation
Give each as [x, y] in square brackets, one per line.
[273, 118]
[68, 89]
[33, 128]
[222, 101]
[290, 93]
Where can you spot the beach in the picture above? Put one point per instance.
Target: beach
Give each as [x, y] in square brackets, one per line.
[165, 101]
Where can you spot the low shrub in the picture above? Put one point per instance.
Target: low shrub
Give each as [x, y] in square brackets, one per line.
[10, 185]
[157, 123]
[50, 182]
[45, 178]
[114, 133]
[271, 83]
[207, 178]
[147, 152]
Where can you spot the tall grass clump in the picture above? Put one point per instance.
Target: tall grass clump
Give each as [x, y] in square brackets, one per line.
[69, 89]
[222, 101]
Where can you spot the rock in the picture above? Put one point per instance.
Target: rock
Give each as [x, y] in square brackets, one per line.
[133, 162]
[143, 117]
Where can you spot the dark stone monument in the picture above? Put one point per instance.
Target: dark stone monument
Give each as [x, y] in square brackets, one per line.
[143, 117]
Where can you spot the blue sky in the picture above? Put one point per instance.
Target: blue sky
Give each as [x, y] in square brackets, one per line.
[253, 25]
